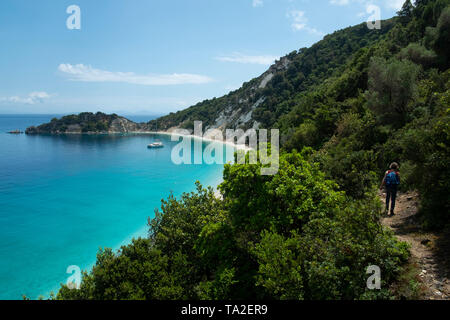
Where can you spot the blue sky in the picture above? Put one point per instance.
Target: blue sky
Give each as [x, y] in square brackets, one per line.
[153, 56]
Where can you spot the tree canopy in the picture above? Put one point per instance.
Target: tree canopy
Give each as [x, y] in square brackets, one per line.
[346, 108]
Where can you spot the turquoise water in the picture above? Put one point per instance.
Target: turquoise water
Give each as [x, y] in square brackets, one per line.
[63, 197]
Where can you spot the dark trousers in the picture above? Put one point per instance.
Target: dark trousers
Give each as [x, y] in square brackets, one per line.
[391, 195]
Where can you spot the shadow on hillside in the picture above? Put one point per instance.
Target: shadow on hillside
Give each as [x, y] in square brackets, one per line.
[442, 253]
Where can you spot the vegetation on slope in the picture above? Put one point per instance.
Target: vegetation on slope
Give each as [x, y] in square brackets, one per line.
[83, 122]
[288, 236]
[310, 231]
[299, 71]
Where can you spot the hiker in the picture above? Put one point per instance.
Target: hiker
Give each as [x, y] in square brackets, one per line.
[391, 181]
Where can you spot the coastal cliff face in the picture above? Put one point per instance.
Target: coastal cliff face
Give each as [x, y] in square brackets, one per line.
[234, 110]
[89, 123]
[262, 101]
[123, 125]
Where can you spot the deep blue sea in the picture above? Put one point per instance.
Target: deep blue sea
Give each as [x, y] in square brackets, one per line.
[63, 197]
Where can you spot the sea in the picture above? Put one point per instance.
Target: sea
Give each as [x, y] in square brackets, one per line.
[63, 197]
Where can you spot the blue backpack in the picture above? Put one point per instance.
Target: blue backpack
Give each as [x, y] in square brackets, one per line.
[392, 179]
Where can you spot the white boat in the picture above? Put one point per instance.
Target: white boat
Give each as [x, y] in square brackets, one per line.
[155, 145]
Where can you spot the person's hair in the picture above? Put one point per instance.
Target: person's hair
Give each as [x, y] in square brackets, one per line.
[394, 166]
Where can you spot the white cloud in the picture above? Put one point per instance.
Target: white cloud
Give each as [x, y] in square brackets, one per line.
[32, 98]
[300, 22]
[257, 3]
[241, 58]
[298, 19]
[81, 72]
[340, 2]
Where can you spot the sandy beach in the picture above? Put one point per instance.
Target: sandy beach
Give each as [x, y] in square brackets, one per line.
[235, 145]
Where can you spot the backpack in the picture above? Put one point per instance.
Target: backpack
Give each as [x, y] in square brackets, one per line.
[392, 179]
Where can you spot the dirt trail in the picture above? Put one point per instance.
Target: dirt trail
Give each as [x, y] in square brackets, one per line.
[429, 251]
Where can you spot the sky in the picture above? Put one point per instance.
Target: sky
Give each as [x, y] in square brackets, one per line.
[152, 57]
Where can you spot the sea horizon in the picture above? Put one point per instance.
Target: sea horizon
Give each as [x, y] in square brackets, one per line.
[132, 117]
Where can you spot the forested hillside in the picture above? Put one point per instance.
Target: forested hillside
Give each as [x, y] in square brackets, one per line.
[89, 123]
[261, 101]
[346, 108]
